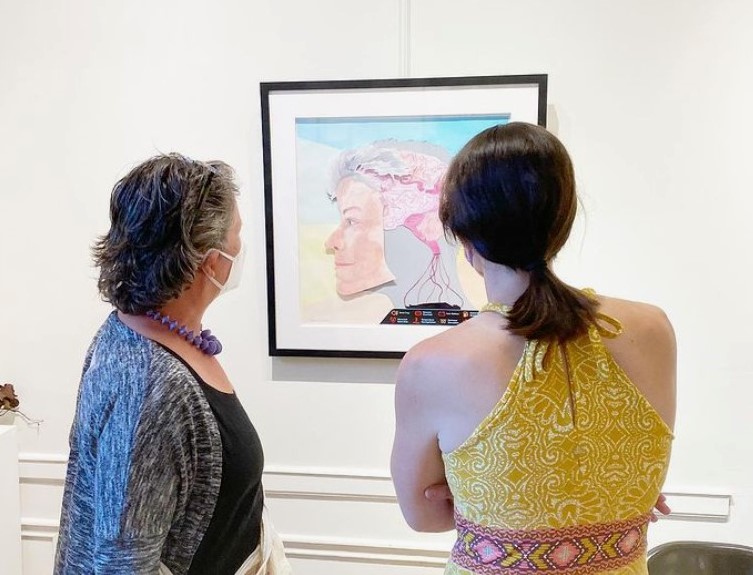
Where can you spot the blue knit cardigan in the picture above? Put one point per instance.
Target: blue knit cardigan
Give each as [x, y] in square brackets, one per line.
[145, 461]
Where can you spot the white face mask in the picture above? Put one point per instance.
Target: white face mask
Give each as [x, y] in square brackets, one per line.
[236, 270]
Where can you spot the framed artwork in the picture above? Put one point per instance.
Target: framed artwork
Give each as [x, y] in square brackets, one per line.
[358, 264]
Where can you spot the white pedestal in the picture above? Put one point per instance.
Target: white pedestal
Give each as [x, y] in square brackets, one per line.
[10, 505]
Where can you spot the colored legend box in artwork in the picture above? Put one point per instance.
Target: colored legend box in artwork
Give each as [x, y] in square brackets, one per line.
[428, 316]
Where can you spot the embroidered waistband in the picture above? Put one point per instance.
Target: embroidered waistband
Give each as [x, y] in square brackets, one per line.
[576, 550]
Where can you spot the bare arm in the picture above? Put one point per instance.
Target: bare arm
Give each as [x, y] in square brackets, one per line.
[659, 339]
[416, 458]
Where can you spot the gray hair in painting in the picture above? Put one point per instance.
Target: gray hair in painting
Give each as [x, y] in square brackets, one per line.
[383, 159]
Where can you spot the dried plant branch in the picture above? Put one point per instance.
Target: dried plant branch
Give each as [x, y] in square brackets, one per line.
[8, 397]
[9, 404]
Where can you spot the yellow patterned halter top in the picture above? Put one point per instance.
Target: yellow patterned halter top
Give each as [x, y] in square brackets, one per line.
[560, 478]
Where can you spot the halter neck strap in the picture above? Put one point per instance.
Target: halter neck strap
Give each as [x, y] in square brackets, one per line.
[606, 325]
[500, 308]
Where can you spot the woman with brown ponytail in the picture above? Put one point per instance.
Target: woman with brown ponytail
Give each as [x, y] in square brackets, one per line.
[550, 413]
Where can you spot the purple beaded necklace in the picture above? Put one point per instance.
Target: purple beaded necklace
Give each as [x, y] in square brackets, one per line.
[204, 341]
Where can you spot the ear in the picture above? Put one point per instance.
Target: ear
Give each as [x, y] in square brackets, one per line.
[209, 265]
[474, 259]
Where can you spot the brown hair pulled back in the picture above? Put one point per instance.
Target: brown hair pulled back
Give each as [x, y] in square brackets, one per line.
[510, 193]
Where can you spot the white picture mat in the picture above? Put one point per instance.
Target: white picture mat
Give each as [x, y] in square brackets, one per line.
[521, 102]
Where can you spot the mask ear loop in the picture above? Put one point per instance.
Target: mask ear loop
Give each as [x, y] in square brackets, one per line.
[227, 256]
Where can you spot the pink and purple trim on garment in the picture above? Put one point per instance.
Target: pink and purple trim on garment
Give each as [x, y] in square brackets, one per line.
[576, 550]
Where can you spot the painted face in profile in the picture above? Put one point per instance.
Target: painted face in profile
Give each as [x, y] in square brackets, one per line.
[358, 242]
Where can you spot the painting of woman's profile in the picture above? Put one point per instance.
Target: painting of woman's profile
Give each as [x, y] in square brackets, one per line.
[372, 249]
[358, 264]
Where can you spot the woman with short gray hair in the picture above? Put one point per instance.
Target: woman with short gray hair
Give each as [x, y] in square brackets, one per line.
[165, 467]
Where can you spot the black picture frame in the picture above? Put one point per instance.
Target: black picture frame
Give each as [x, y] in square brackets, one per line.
[286, 108]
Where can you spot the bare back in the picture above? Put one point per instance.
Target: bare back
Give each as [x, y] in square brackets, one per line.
[473, 364]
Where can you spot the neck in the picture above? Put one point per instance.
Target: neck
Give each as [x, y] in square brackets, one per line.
[187, 315]
[503, 284]
[189, 307]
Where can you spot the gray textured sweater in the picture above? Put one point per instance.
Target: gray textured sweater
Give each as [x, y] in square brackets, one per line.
[145, 461]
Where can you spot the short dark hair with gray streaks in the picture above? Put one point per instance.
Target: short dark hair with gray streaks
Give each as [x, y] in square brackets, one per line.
[165, 214]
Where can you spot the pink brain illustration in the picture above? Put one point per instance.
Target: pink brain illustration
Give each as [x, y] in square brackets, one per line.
[410, 193]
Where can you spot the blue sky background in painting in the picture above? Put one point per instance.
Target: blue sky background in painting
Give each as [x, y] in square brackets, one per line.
[450, 132]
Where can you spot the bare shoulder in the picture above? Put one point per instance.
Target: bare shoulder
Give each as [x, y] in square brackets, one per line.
[646, 351]
[477, 353]
[435, 360]
[643, 323]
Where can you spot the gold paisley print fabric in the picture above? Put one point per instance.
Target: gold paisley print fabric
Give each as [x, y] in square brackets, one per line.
[572, 442]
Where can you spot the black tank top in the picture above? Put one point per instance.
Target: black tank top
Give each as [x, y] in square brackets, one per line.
[235, 528]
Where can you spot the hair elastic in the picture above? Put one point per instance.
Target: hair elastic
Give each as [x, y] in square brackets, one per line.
[534, 266]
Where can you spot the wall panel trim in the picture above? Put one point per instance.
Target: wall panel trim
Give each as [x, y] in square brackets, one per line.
[365, 486]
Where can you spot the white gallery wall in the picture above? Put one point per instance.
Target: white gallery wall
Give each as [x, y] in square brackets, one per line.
[652, 98]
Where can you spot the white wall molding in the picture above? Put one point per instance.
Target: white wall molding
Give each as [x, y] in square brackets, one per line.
[43, 458]
[329, 472]
[39, 540]
[40, 528]
[315, 548]
[365, 486]
[55, 460]
[318, 496]
[390, 555]
[703, 507]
